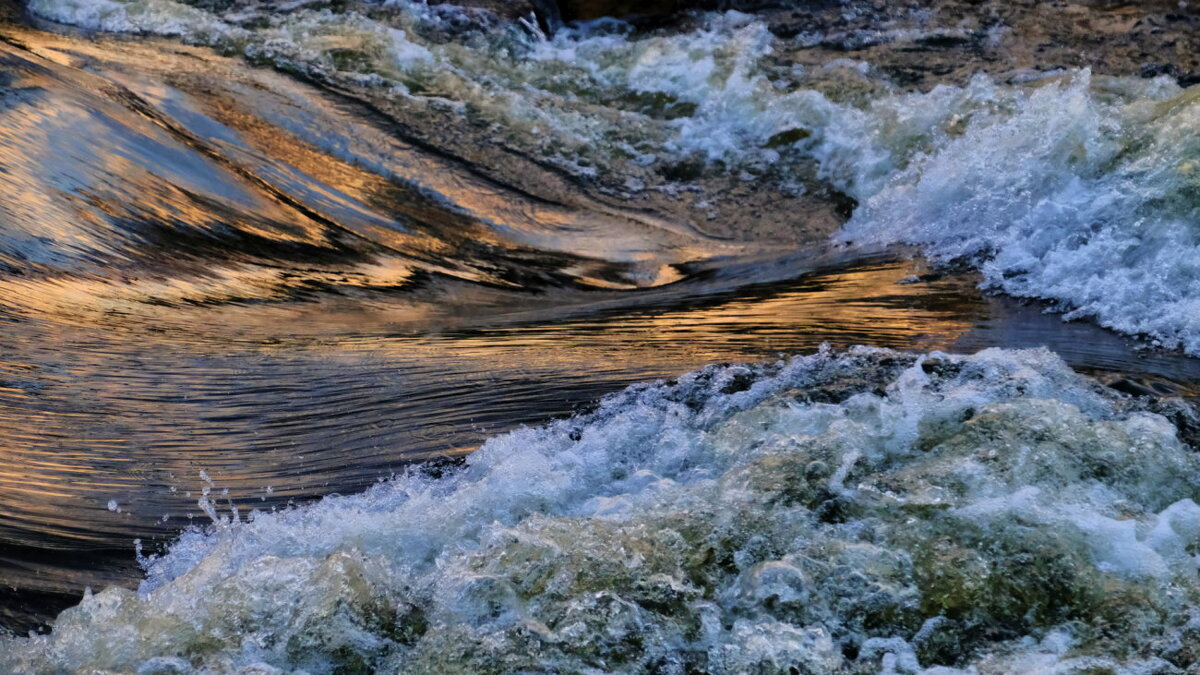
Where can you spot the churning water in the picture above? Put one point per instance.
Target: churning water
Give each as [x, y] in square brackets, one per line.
[260, 254]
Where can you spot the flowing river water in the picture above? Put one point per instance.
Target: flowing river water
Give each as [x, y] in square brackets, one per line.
[240, 271]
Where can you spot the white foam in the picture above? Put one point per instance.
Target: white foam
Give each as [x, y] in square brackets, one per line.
[1074, 189]
[158, 17]
[691, 524]
[1078, 191]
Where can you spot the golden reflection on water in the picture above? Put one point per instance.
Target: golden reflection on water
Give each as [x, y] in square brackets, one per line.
[116, 411]
[295, 317]
[300, 400]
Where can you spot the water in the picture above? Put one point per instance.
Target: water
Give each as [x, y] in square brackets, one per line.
[228, 291]
[742, 518]
[193, 289]
[1076, 188]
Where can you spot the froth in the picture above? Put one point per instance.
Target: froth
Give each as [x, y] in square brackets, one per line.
[1070, 188]
[834, 512]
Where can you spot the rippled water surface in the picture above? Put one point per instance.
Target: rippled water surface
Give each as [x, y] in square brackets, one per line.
[216, 280]
[260, 283]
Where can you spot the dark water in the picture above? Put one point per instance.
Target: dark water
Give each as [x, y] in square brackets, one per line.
[211, 271]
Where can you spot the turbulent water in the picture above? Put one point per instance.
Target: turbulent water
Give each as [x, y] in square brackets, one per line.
[832, 512]
[1062, 185]
[255, 254]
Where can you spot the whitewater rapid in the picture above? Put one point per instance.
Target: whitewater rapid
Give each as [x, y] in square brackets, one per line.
[864, 510]
[1064, 186]
[838, 512]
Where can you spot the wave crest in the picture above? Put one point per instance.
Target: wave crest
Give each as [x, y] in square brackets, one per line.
[825, 513]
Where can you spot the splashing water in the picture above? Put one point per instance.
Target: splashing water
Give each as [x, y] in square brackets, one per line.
[1070, 188]
[825, 514]
[857, 511]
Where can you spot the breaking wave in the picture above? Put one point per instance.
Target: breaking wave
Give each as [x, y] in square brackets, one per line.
[839, 512]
